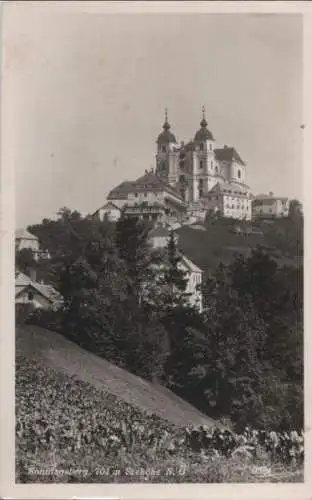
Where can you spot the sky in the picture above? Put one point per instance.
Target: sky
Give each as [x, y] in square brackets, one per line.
[89, 91]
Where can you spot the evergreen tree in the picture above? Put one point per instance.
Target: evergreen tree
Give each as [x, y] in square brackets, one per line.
[172, 278]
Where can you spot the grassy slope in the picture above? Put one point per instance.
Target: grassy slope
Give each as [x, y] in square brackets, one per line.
[219, 243]
[47, 363]
[56, 352]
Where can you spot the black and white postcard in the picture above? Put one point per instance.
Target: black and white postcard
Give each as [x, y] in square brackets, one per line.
[153, 207]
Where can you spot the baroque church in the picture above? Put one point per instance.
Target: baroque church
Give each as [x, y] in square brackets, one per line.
[189, 180]
[203, 174]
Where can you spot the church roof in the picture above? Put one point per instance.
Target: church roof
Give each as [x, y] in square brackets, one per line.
[166, 136]
[228, 154]
[203, 134]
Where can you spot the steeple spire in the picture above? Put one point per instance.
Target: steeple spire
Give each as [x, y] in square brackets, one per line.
[203, 123]
[166, 125]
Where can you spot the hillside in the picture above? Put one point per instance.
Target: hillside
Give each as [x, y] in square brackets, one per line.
[52, 350]
[219, 243]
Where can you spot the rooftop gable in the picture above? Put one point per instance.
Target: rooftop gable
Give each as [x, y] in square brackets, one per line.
[23, 234]
[228, 155]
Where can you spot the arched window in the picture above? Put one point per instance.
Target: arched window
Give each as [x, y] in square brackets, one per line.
[216, 170]
[239, 174]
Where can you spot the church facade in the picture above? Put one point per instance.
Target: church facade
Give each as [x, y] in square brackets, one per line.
[207, 177]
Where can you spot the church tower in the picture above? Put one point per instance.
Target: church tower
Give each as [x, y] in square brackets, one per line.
[167, 154]
[204, 166]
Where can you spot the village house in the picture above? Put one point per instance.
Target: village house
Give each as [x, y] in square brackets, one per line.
[110, 210]
[24, 239]
[159, 238]
[39, 295]
[268, 206]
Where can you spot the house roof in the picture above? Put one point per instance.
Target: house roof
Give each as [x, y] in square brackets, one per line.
[190, 265]
[266, 197]
[121, 191]
[147, 182]
[109, 204]
[228, 155]
[48, 291]
[228, 188]
[23, 234]
[21, 279]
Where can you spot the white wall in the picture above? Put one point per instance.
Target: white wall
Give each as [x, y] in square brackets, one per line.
[38, 300]
[25, 243]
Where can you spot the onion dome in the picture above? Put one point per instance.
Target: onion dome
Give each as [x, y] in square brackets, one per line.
[203, 134]
[166, 136]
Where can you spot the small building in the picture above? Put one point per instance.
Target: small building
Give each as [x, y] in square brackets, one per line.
[229, 200]
[110, 210]
[24, 239]
[39, 295]
[268, 206]
[194, 282]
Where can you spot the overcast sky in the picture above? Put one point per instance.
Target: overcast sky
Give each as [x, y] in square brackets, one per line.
[90, 92]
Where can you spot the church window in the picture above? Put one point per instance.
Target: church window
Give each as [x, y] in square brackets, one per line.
[163, 148]
[239, 174]
[216, 170]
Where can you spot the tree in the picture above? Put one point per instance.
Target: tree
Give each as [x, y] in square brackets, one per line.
[25, 260]
[172, 279]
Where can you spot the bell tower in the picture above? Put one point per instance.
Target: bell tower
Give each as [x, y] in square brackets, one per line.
[166, 157]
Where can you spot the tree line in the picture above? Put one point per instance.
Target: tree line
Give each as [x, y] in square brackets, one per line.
[241, 358]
